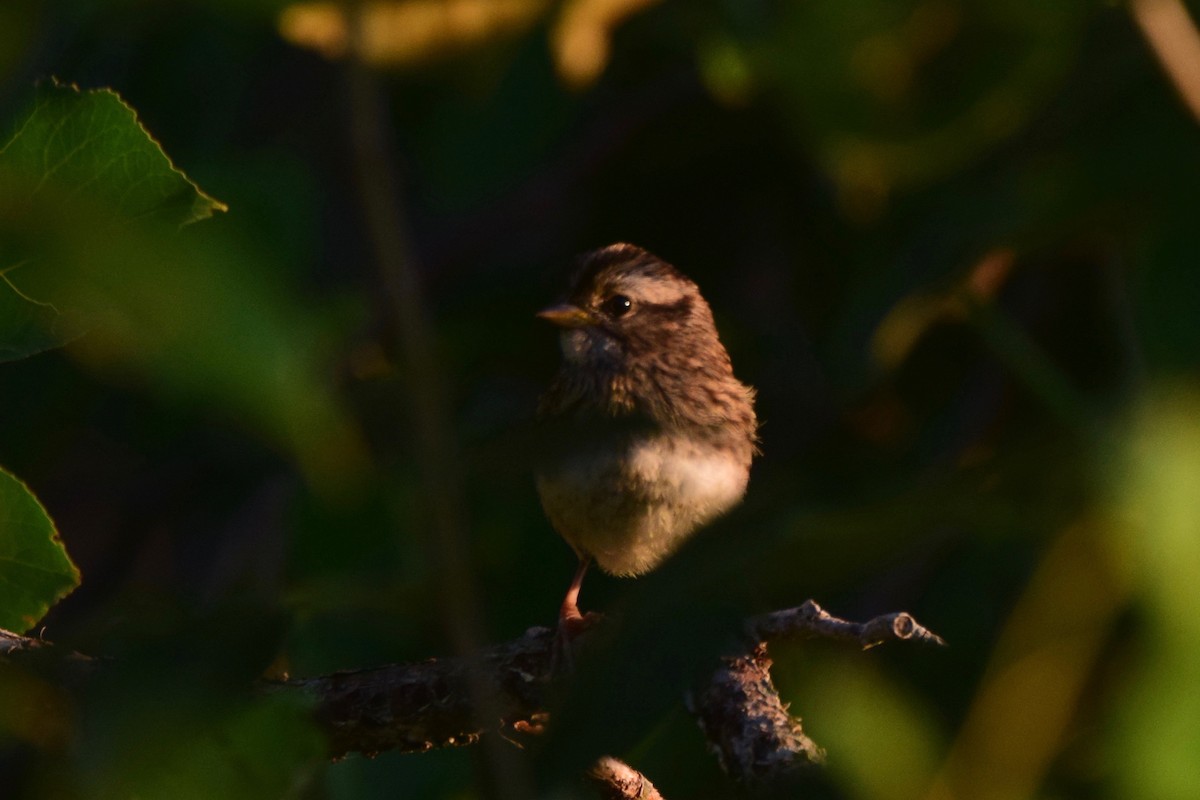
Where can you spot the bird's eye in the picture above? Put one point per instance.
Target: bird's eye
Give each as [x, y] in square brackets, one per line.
[617, 306]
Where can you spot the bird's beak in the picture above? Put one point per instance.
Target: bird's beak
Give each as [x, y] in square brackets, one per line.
[566, 316]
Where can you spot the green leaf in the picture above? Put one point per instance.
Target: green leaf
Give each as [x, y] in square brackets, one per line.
[264, 750]
[90, 211]
[35, 571]
[28, 326]
[200, 746]
[75, 144]
[93, 142]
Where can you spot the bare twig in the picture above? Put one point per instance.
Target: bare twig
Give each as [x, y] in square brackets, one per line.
[809, 619]
[67, 667]
[619, 781]
[11, 643]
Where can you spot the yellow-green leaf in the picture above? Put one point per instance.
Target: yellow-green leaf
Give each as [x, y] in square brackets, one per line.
[35, 571]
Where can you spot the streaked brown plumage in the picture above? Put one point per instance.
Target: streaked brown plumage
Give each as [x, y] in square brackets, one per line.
[653, 434]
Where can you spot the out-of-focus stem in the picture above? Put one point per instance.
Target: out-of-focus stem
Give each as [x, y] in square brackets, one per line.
[434, 444]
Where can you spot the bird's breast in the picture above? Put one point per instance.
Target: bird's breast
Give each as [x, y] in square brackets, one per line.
[631, 505]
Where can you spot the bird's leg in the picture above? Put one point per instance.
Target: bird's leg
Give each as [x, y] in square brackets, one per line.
[571, 622]
[568, 613]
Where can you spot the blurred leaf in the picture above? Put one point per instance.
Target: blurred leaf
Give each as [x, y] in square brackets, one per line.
[35, 571]
[881, 740]
[27, 326]
[261, 751]
[92, 209]
[915, 314]
[197, 320]
[268, 748]
[582, 36]
[1158, 713]
[91, 142]
[32, 709]
[85, 143]
[891, 96]
[1036, 683]
[408, 33]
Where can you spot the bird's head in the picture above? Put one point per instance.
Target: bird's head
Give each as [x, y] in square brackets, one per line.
[625, 306]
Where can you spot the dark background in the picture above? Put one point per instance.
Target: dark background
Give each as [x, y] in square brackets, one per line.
[952, 244]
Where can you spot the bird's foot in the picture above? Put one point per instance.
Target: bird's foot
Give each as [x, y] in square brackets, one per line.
[571, 625]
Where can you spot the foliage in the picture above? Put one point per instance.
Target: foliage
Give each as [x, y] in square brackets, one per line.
[93, 143]
[953, 246]
[35, 571]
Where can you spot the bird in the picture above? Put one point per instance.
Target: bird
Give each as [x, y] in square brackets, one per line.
[652, 435]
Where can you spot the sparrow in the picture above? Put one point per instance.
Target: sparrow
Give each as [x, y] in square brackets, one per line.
[652, 434]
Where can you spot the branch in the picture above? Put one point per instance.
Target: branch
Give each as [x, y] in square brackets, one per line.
[426, 705]
[619, 781]
[418, 707]
[746, 723]
[66, 667]
[810, 620]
